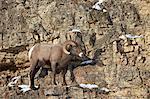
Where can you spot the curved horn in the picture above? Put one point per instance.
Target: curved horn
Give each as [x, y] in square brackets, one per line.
[70, 42]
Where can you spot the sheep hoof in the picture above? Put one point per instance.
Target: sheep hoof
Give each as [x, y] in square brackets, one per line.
[34, 88]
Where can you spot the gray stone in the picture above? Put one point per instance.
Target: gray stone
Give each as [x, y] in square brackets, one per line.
[125, 61]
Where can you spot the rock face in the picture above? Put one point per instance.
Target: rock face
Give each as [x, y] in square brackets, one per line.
[123, 63]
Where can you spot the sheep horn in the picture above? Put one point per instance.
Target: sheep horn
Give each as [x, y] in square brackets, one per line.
[70, 42]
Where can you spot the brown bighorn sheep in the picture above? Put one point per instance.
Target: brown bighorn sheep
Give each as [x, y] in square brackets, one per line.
[57, 56]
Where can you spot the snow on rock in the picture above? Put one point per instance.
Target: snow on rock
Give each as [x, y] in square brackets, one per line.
[25, 88]
[75, 30]
[89, 86]
[130, 36]
[133, 36]
[93, 86]
[87, 62]
[13, 81]
[104, 89]
[99, 6]
[104, 10]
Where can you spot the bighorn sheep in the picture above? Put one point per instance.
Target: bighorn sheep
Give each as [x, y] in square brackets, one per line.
[57, 56]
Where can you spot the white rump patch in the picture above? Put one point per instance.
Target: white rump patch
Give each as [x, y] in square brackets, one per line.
[30, 52]
[81, 54]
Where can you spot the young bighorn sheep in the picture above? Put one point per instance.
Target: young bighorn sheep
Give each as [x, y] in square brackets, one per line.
[57, 56]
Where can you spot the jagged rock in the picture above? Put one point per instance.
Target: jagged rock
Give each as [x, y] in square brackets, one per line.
[128, 49]
[134, 42]
[21, 58]
[125, 61]
[115, 47]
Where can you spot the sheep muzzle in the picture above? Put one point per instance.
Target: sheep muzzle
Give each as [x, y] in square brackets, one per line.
[81, 54]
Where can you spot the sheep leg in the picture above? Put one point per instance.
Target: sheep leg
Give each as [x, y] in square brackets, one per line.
[34, 70]
[32, 75]
[64, 78]
[53, 66]
[72, 77]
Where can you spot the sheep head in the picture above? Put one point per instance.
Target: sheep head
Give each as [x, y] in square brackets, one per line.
[72, 48]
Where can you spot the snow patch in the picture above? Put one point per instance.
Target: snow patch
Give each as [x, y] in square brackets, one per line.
[104, 89]
[87, 62]
[76, 30]
[25, 88]
[130, 36]
[133, 36]
[14, 81]
[89, 86]
[98, 6]
[104, 10]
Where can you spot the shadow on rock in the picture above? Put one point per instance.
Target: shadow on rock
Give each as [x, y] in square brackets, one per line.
[96, 59]
[8, 66]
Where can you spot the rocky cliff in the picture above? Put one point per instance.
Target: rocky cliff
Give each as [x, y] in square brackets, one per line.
[117, 35]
